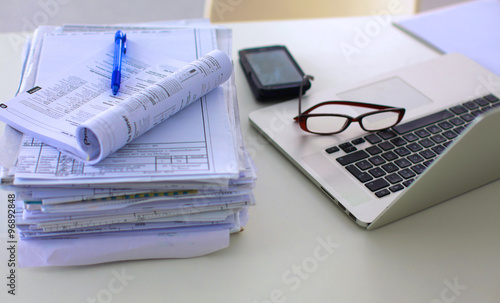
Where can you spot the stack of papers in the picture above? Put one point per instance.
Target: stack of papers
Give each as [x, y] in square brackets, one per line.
[179, 190]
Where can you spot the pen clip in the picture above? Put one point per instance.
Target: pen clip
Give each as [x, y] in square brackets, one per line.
[125, 43]
[120, 35]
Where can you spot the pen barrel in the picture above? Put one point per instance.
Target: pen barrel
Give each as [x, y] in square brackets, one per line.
[116, 78]
[117, 59]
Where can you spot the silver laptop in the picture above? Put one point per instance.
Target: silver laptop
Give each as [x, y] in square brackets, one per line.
[445, 145]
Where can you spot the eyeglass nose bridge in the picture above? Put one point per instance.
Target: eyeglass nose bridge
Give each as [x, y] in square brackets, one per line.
[350, 120]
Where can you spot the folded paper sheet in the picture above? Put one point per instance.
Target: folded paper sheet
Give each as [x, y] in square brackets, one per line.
[78, 103]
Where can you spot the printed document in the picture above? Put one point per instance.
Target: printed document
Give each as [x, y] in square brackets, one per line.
[80, 99]
[197, 140]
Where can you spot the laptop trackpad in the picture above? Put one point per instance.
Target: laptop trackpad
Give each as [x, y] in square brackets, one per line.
[393, 92]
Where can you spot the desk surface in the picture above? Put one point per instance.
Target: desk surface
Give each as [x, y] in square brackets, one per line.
[298, 246]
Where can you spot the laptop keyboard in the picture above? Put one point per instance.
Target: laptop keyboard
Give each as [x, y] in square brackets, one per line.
[390, 160]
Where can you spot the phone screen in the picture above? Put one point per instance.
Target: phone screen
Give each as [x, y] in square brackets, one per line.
[273, 67]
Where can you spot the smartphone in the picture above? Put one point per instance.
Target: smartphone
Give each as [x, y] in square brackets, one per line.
[272, 72]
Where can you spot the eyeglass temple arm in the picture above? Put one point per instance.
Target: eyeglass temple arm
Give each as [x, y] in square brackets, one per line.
[301, 89]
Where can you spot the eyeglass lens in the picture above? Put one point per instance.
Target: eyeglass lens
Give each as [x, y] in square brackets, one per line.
[332, 123]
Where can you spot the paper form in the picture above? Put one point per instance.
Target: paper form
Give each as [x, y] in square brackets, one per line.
[55, 197]
[76, 223]
[162, 151]
[119, 202]
[53, 109]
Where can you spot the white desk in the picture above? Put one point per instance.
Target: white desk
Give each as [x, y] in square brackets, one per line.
[449, 252]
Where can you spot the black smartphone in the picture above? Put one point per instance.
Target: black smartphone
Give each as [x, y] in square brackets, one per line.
[272, 72]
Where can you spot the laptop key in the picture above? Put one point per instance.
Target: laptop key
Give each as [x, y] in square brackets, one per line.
[450, 134]
[350, 149]
[386, 145]
[389, 156]
[491, 98]
[364, 165]
[346, 147]
[373, 150]
[373, 139]
[471, 105]
[422, 133]
[438, 149]
[377, 184]
[426, 143]
[361, 176]
[487, 108]
[386, 134]
[332, 149]
[459, 109]
[429, 162]
[427, 154]
[377, 160]
[403, 162]
[398, 141]
[402, 151]
[445, 125]
[438, 139]
[411, 137]
[358, 141]
[434, 129]
[467, 117]
[481, 102]
[396, 188]
[394, 178]
[414, 147]
[416, 158]
[407, 173]
[421, 122]
[459, 129]
[477, 113]
[390, 167]
[377, 172]
[419, 168]
[408, 182]
[457, 121]
[353, 157]
[382, 193]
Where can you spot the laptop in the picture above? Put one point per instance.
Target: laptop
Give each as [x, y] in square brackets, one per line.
[444, 146]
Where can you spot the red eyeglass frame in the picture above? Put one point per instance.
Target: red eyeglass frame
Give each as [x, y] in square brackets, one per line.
[303, 116]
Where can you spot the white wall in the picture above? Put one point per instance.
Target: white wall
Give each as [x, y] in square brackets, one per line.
[431, 4]
[19, 15]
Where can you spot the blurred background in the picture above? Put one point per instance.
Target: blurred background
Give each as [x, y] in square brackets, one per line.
[26, 15]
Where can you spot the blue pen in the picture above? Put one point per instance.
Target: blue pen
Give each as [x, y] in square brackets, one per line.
[120, 49]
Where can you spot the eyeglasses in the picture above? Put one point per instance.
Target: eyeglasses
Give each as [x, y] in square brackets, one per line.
[321, 122]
